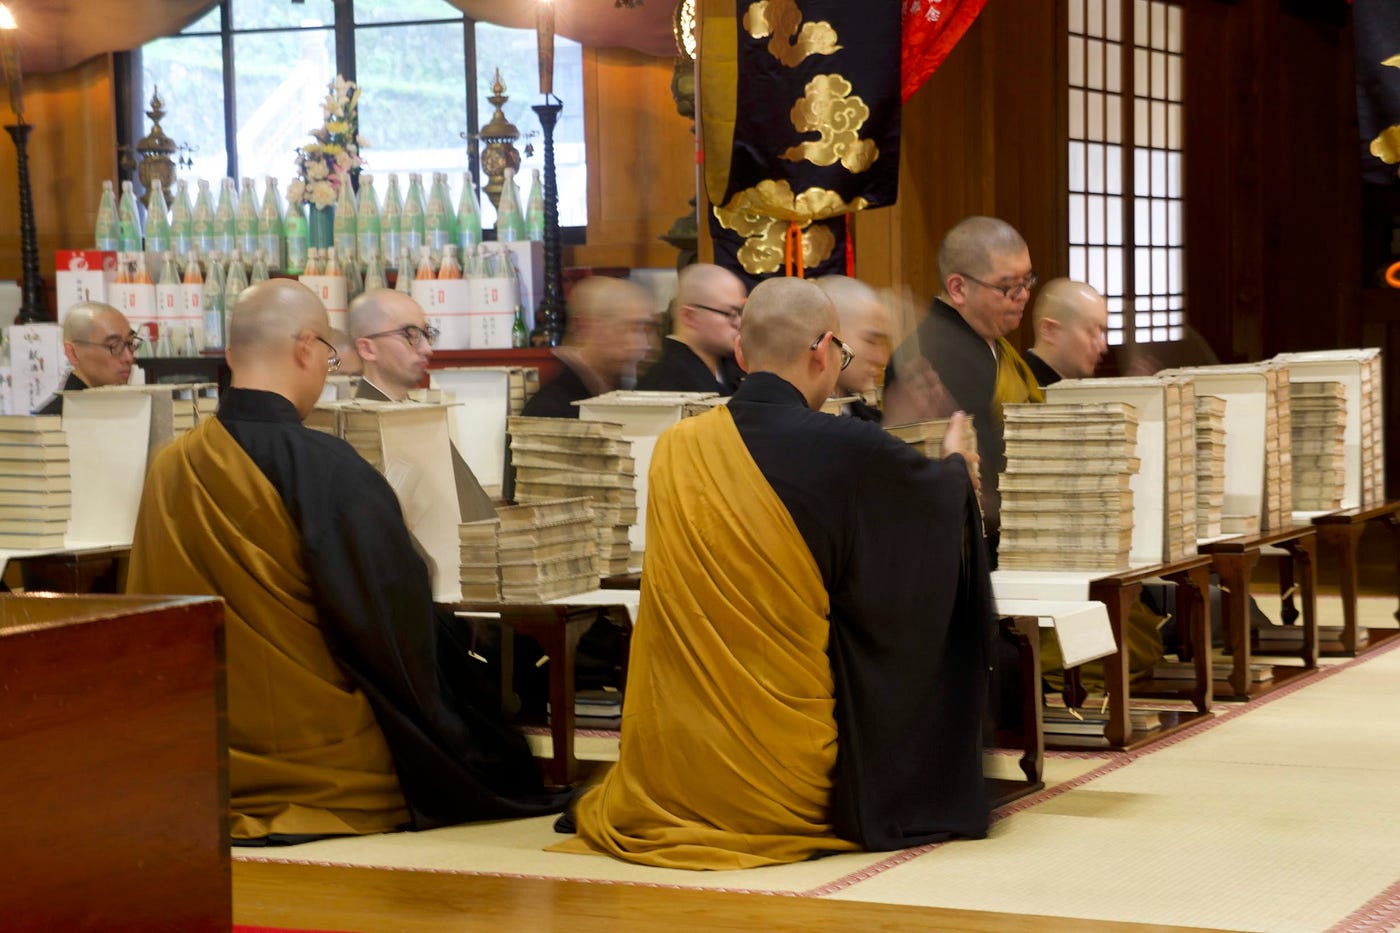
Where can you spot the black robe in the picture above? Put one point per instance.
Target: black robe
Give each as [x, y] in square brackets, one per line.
[898, 542]
[54, 406]
[680, 369]
[1045, 374]
[364, 389]
[556, 397]
[457, 759]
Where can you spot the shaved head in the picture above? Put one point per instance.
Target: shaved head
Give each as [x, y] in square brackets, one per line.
[1071, 327]
[375, 311]
[865, 326]
[270, 313]
[91, 331]
[969, 247]
[782, 318]
[278, 341]
[599, 297]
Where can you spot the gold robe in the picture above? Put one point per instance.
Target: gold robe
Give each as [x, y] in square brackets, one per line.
[306, 755]
[728, 730]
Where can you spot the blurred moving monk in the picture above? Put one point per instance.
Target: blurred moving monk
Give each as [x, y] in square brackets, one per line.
[809, 668]
[350, 707]
[865, 324]
[612, 323]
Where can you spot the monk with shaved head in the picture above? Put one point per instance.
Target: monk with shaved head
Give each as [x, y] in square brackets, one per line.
[1071, 331]
[99, 345]
[808, 668]
[339, 721]
[698, 356]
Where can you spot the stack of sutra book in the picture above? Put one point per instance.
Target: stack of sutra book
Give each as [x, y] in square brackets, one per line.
[530, 553]
[1210, 465]
[1319, 412]
[35, 481]
[560, 458]
[1065, 497]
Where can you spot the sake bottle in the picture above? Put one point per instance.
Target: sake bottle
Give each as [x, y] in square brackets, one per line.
[438, 218]
[202, 220]
[510, 226]
[294, 227]
[234, 284]
[128, 221]
[519, 336]
[245, 223]
[271, 236]
[374, 272]
[259, 272]
[449, 269]
[157, 222]
[106, 232]
[405, 280]
[390, 220]
[168, 301]
[344, 229]
[367, 227]
[332, 262]
[468, 219]
[192, 300]
[313, 262]
[534, 211]
[181, 222]
[212, 300]
[413, 224]
[424, 271]
[354, 282]
[224, 220]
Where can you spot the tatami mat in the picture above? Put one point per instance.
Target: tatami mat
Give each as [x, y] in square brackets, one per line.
[1281, 814]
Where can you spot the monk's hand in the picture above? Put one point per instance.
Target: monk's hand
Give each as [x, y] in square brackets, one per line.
[919, 395]
[960, 440]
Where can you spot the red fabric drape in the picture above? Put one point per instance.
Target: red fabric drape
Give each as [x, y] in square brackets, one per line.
[930, 30]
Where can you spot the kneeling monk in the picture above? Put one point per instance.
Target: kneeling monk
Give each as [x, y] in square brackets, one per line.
[809, 667]
[349, 707]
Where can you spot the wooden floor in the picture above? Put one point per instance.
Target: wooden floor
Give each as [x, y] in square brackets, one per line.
[370, 899]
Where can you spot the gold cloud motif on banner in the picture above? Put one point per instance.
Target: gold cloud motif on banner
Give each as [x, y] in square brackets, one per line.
[1386, 146]
[827, 108]
[789, 39]
[761, 215]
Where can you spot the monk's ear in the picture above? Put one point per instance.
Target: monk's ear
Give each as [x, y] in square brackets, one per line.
[70, 352]
[1048, 328]
[365, 348]
[956, 287]
[739, 352]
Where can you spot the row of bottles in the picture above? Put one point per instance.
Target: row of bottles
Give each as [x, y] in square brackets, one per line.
[362, 227]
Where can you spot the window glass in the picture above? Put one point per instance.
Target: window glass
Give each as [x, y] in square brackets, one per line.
[280, 84]
[279, 14]
[189, 74]
[402, 11]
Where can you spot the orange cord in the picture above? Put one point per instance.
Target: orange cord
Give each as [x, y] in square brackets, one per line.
[1392, 276]
[792, 249]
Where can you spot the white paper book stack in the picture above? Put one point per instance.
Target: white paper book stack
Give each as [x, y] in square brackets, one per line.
[1319, 413]
[547, 549]
[481, 561]
[1210, 465]
[1359, 371]
[1066, 502]
[1181, 478]
[562, 458]
[35, 481]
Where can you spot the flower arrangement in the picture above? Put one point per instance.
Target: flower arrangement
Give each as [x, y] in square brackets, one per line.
[325, 164]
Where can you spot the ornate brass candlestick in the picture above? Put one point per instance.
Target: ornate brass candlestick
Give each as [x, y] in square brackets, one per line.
[500, 136]
[157, 155]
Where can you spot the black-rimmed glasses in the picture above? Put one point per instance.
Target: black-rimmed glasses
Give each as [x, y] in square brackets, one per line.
[414, 334]
[114, 345]
[1009, 292]
[847, 354]
[333, 362]
[734, 316]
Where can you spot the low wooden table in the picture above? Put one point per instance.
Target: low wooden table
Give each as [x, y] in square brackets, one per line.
[1118, 591]
[1339, 533]
[556, 628]
[1025, 631]
[1234, 560]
